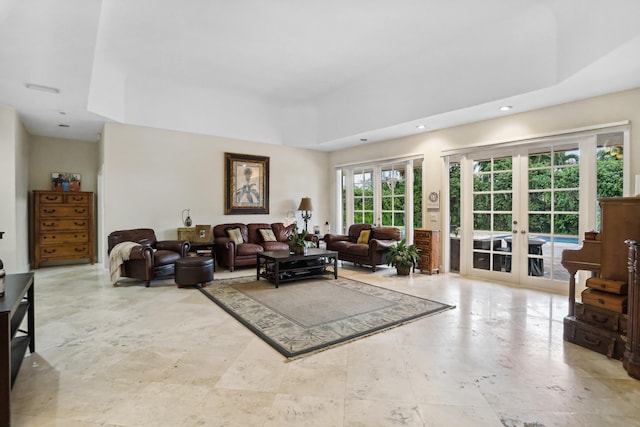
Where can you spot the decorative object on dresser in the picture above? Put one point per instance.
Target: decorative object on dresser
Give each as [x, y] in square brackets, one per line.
[600, 322]
[428, 242]
[65, 181]
[63, 226]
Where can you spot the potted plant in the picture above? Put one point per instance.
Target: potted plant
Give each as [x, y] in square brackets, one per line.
[297, 241]
[403, 257]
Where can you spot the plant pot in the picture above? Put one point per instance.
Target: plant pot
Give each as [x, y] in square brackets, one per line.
[403, 270]
[299, 250]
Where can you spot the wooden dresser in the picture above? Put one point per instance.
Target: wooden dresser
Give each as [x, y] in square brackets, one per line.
[428, 241]
[63, 226]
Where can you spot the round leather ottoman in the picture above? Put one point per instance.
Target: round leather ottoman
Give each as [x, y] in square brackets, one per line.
[194, 270]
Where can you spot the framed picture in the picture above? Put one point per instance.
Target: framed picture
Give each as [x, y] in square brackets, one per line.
[246, 184]
[65, 181]
[202, 234]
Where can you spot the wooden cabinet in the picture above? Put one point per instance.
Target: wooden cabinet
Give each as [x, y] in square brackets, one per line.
[187, 233]
[63, 226]
[428, 241]
[18, 302]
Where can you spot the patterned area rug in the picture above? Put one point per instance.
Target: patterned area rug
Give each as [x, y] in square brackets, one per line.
[302, 317]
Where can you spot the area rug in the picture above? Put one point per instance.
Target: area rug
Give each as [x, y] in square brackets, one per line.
[300, 318]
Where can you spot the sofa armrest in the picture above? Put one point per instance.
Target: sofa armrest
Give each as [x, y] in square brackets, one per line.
[141, 252]
[381, 245]
[180, 246]
[335, 238]
[225, 243]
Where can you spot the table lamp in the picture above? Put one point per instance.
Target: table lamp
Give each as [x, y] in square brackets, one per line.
[306, 208]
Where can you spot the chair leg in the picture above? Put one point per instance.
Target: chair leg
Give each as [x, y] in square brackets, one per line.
[147, 283]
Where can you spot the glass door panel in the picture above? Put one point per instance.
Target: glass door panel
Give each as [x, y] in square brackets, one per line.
[492, 206]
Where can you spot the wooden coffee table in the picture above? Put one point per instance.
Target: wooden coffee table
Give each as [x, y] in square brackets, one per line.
[284, 266]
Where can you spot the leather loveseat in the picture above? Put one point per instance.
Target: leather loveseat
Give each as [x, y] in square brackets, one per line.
[364, 244]
[232, 253]
[153, 258]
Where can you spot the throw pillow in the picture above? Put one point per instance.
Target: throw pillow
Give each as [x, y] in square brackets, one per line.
[267, 235]
[236, 235]
[364, 236]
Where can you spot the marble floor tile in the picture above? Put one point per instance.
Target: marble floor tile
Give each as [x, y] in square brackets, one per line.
[162, 356]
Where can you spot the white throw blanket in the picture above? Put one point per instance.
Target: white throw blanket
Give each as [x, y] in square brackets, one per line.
[119, 254]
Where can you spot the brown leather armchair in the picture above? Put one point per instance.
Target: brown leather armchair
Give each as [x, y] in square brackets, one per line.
[153, 259]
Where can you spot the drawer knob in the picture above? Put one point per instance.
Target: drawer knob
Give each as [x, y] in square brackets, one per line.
[49, 251]
[49, 211]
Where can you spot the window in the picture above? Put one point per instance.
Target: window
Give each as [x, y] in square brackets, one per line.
[385, 194]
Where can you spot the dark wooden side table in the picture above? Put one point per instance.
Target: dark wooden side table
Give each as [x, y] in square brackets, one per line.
[208, 246]
[283, 266]
[17, 302]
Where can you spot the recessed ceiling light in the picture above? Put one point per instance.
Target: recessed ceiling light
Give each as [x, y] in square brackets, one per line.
[62, 113]
[64, 126]
[42, 88]
[506, 108]
[363, 139]
[421, 126]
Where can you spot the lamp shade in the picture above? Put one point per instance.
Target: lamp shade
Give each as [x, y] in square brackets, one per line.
[305, 204]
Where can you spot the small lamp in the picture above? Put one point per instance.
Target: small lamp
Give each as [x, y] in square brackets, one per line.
[305, 207]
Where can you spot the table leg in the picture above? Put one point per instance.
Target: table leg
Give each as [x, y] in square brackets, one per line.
[277, 270]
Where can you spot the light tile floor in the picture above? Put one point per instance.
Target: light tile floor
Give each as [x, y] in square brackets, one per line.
[163, 356]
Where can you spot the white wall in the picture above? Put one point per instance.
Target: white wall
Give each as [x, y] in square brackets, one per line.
[50, 155]
[14, 246]
[22, 197]
[151, 175]
[593, 111]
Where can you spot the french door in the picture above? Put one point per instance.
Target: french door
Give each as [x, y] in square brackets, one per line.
[521, 210]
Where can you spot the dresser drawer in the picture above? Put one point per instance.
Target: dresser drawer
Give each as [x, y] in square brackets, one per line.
[58, 211]
[48, 198]
[47, 225]
[77, 198]
[60, 238]
[64, 251]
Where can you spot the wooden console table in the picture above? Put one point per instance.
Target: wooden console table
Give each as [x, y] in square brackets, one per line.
[18, 302]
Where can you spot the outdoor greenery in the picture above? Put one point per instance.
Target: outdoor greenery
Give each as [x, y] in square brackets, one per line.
[554, 183]
[393, 198]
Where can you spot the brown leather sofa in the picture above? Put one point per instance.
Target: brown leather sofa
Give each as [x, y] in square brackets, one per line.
[372, 252]
[231, 255]
[153, 259]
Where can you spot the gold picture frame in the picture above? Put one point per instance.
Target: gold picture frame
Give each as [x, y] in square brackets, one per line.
[202, 234]
[246, 184]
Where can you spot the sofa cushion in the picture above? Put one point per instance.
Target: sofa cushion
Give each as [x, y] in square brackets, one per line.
[386, 233]
[267, 235]
[163, 257]
[364, 236]
[247, 249]
[355, 229]
[359, 249]
[236, 235]
[275, 246]
[281, 231]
